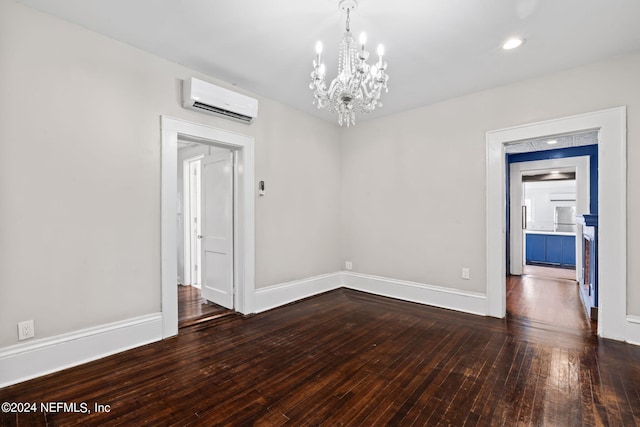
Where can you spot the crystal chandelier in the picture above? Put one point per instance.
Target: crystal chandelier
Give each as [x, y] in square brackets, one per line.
[357, 83]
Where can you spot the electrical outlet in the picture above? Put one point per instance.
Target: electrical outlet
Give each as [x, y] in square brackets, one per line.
[465, 273]
[26, 330]
[348, 265]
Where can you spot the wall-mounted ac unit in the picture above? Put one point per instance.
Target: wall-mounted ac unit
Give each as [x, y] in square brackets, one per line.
[205, 97]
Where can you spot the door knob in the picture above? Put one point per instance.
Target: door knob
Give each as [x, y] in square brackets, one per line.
[199, 236]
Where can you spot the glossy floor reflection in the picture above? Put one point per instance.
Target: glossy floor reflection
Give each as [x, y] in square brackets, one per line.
[552, 301]
[549, 272]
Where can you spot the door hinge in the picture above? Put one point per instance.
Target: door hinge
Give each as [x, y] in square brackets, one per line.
[195, 267]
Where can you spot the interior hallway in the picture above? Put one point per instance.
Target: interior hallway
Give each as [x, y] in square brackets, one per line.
[539, 296]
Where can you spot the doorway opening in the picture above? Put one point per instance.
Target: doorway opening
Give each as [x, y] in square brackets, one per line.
[549, 230]
[549, 214]
[547, 188]
[612, 259]
[205, 200]
[235, 170]
[549, 184]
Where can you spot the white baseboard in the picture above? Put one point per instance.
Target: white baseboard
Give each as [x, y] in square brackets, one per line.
[39, 357]
[465, 301]
[632, 334]
[35, 358]
[285, 293]
[32, 359]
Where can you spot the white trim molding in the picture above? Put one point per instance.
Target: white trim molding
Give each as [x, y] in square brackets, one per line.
[275, 296]
[39, 357]
[633, 330]
[437, 296]
[612, 195]
[453, 299]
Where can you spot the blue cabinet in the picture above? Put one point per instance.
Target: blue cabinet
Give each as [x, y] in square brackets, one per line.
[535, 248]
[551, 249]
[569, 251]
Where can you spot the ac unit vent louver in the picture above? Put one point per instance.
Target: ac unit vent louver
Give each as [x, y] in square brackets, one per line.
[222, 112]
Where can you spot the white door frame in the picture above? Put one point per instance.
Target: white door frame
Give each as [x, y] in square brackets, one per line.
[580, 165]
[244, 213]
[612, 195]
[187, 196]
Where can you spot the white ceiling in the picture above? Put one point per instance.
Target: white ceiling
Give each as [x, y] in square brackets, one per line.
[436, 49]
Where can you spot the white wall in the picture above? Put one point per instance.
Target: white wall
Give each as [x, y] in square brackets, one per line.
[542, 207]
[80, 230]
[404, 217]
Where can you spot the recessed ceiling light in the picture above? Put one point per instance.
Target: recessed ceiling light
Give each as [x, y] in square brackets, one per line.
[555, 172]
[512, 43]
[552, 141]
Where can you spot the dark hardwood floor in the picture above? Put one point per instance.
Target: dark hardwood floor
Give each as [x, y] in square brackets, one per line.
[543, 299]
[350, 358]
[192, 308]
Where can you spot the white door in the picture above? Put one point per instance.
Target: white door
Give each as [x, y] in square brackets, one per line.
[217, 228]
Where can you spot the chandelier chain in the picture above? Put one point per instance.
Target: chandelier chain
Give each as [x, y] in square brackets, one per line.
[348, 18]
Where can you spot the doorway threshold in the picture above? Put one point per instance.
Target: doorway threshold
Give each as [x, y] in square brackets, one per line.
[549, 272]
[205, 318]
